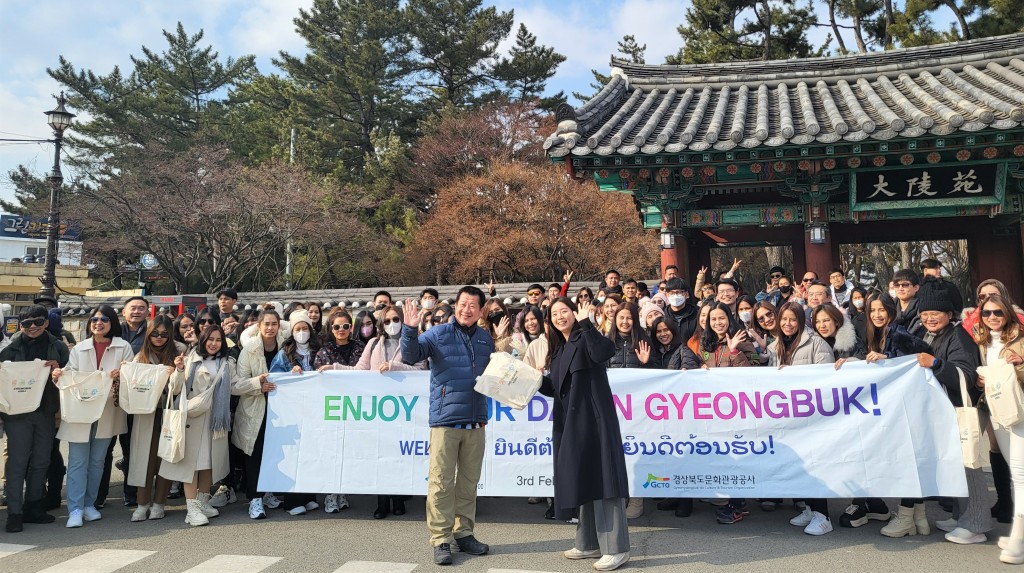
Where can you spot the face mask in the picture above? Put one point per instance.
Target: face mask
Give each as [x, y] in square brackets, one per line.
[677, 300]
[892, 293]
[301, 336]
[393, 328]
[746, 315]
[600, 299]
[858, 304]
[429, 303]
[786, 289]
[367, 331]
[380, 306]
[496, 317]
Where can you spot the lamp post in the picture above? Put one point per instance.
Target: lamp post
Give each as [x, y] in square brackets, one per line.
[59, 119]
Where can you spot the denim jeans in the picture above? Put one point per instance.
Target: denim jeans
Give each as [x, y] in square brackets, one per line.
[85, 469]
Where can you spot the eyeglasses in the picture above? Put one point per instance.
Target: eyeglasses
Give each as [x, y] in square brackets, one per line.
[30, 322]
[583, 295]
[811, 280]
[345, 326]
[996, 313]
[764, 317]
[103, 319]
[159, 334]
[903, 284]
[534, 293]
[394, 320]
[207, 321]
[776, 275]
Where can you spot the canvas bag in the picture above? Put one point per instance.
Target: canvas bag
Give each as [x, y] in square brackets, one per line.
[83, 396]
[967, 420]
[22, 385]
[141, 387]
[1003, 393]
[171, 448]
[509, 381]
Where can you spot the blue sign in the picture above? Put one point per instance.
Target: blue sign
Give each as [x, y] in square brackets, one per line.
[18, 227]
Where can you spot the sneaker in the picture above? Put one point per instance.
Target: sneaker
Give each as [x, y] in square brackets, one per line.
[310, 506]
[75, 518]
[14, 523]
[801, 505]
[156, 511]
[270, 501]
[533, 500]
[667, 504]
[256, 510]
[220, 499]
[141, 513]
[175, 491]
[92, 514]
[443, 554]
[471, 546]
[232, 498]
[331, 503]
[728, 515]
[819, 525]
[635, 507]
[946, 525]
[767, 505]
[343, 502]
[853, 516]
[300, 510]
[581, 554]
[611, 562]
[964, 537]
[804, 519]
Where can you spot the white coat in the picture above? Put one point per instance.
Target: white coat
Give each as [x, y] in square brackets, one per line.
[113, 421]
[252, 404]
[143, 427]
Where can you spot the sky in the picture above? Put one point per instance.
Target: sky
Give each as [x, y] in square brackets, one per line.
[100, 35]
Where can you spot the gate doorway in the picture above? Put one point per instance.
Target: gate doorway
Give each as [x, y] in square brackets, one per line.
[871, 265]
[755, 262]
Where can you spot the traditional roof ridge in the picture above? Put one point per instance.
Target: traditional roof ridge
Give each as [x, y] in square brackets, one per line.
[952, 55]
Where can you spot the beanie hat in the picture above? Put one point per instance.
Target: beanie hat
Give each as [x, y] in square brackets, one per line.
[300, 316]
[934, 299]
[649, 310]
[56, 322]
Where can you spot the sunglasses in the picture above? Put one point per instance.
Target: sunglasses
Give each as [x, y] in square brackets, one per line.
[395, 320]
[584, 295]
[807, 280]
[534, 293]
[903, 284]
[776, 275]
[30, 322]
[764, 317]
[996, 313]
[159, 334]
[102, 319]
[207, 321]
[345, 326]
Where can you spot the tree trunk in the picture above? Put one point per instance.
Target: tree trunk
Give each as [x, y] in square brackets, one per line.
[776, 256]
[835, 26]
[767, 23]
[960, 18]
[889, 20]
[882, 271]
[905, 255]
[858, 34]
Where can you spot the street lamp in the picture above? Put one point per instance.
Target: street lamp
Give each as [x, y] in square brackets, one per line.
[59, 119]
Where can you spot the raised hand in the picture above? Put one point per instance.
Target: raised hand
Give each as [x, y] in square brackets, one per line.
[643, 351]
[410, 313]
[179, 362]
[504, 326]
[567, 276]
[583, 311]
[735, 265]
[703, 271]
[734, 341]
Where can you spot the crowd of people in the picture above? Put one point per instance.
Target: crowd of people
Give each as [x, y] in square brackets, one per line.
[221, 361]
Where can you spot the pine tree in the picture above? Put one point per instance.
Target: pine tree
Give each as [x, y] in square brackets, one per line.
[629, 50]
[526, 72]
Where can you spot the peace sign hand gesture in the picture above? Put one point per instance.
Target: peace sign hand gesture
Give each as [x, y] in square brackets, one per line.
[567, 276]
[643, 351]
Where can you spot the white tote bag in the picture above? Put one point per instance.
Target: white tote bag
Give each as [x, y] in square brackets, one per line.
[509, 381]
[83, 396]
[141, 386]
[1003, 393]
[171, 448]
[22, 385]
[971, 445]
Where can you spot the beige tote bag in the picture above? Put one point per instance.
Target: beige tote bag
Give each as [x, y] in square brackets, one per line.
[973, 449]
[22, 385]
[83, 395]
[172, 431]
[1003, 393]
[141, 386]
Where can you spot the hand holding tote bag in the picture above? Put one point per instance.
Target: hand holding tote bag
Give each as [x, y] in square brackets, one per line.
[971, 445]
[83, 395]
[141, 386]
[509, 381]
[171, 448]
[22, 385]
[1003, 393]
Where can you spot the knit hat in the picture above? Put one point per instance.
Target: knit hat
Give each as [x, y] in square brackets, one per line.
[934, 299]
[300, 316]
[649, 310]
[56, 322]
[662, 297]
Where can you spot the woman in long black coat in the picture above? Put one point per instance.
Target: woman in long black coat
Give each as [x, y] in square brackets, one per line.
[590, 467]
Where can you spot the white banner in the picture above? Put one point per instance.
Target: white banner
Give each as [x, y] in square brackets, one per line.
[880, 430]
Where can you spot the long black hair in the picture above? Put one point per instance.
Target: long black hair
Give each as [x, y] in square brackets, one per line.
[637, 332]
[177, 326]
[357, 324]
[534, 311]
[205, 336]
[115, 324]
[556, 340]
[671, 325]
[709, 338]
[150, 354]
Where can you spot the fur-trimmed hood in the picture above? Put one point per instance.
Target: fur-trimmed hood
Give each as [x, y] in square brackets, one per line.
[846, 337]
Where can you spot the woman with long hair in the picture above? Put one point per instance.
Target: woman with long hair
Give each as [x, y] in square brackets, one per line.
[185, 329]
[797, 345]
[745, 314]
[589, 463]
[838, 331]
[632, 345]
[498, 323]
[606, 320]
[315, 312]
[857, 312]
[157, 348]
[365, 326]
[340, 346]
[528, 328]
[698, 333]
[103, 350]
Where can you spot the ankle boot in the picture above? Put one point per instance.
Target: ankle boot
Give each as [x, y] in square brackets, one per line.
[921, 520]
[901, 524]
[1013, 553]
[195, 516]
[1003, 509]
[203, 499]
[684, 508]
[35, 513]
[383, 507]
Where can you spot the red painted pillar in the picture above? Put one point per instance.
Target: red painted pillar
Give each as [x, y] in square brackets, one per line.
[678, 256]
[818, 257]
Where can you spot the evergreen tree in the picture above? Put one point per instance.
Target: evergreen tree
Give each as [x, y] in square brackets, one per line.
[31, 193]
[629, 50]
[527, 71]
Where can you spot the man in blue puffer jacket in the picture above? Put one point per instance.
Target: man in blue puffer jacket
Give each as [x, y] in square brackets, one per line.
[459, 352]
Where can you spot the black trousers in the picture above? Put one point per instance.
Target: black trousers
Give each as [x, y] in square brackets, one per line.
[126, 447]
[252, 463]
[29, 441]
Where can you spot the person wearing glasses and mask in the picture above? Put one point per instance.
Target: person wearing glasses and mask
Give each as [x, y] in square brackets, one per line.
[681, 309]
[340, 347]
[30, 436]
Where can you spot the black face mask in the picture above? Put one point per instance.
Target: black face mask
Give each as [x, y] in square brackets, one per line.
[380, 306]
[496, 317]
[786, 289]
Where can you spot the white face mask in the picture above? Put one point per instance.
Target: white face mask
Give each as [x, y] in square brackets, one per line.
[393, 328]
[429, 303]
[301, 336]
[892, 293]
[858, 304]
[746, 315]
[600, 299]
[677, 300]
[591, 317]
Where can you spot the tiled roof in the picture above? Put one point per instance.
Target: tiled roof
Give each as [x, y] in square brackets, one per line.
[964, 86]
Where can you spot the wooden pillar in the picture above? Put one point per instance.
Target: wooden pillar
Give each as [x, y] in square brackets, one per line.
[818, 257]
[678, 256]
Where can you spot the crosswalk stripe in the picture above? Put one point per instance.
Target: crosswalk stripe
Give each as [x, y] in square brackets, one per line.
[375, 567]
[99, 561]
[11, 548]
[516, 571]
[234, 564]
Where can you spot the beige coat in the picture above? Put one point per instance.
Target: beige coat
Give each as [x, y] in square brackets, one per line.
[252, 404]
[374, 355]
[113, 421]
[197, 429]
[143, 426]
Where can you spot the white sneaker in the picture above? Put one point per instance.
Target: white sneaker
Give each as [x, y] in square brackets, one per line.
[232, 498]
[270, 501]
[256, 510]
[220, 499]
[800, 505]
[92, 514]
[342, 501]
[946, 524]
[156, 511]
[141, 513]
[297, 510]
[611, 562]
[819, 525]
[804, 519]
[581, 554]
[75, 518]
[310, 506]
[331, 503]
[635, 507]
[965, 537]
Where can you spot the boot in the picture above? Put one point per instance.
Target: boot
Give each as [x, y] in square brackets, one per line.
[195, 516]
[34, 513]
[204, 503]
[921, 519]
[1013, 553]
[684, 508]
[383, 507]
[1003, 509]
[901, 524]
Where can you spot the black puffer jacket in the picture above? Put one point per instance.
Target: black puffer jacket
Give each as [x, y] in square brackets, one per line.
[625, 356]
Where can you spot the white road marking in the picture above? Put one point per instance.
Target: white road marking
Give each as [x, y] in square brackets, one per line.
[375, 567]
[99, 561]
[10, 549]
[234, 564]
